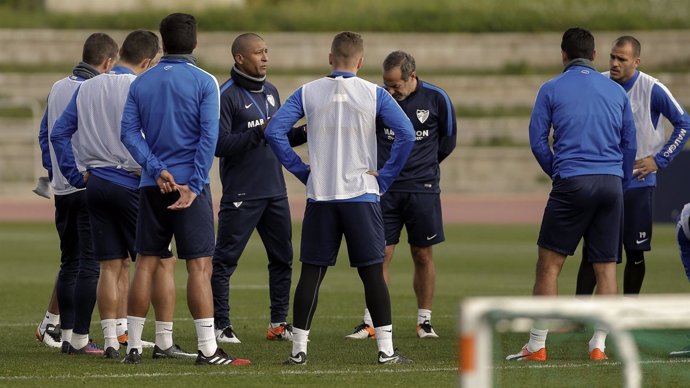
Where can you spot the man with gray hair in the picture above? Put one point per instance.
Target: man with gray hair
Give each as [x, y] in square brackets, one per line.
[413, 200]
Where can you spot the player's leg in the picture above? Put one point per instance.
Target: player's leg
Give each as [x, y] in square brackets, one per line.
[236, 222]
[393, 223]
[603, 248]
[275, 229]
[364, 234]
[638, 217]
[566, 217]
[48, 330]
[682, 233]
[86, 285]
[194, 235]
[153, 235]
[321, 237]
[66, 225]
[424, 223]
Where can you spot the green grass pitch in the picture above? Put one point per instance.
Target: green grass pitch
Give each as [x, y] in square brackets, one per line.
[475, 260]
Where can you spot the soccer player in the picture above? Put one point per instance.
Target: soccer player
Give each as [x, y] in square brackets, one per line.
[77, 279]
[254, 192]
[413, 200]
[175, 105]
[591, 161]
[112, 179]
[651, 100]
[343, 185]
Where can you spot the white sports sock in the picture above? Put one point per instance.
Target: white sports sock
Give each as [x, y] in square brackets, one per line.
[423, 315]
[164, 331]
[537, 339]
[110, 334]
[300, 338]
[598, 339]
[277, 324]
[135, 326]
[121, 326]
[50, 318]
[384, 339]
[66, 335]
[79, 340]
[205, 336]
[367, 318]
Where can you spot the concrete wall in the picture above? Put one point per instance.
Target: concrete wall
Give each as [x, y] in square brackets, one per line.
[108, 6]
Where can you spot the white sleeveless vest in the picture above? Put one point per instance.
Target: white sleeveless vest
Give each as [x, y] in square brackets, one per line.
[341, 121]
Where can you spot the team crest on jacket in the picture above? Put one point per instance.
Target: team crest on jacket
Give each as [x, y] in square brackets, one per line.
[422, 115]
[271, 100]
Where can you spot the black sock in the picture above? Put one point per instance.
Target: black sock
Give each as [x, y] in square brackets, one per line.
[307, 295]
[586, 280]
[634, 272]
[376, 294]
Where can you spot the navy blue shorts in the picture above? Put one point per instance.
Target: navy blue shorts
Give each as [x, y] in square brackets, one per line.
[192, 227]
[589, 207]
[420, 213]
[637, 220]
[113, 214]
[325, 224]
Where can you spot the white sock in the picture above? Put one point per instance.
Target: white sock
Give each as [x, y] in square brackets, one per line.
[367, 318]
[66, 335]
[110, 334]
[423, 315]
[205, 336]
[300, 338]
[164, 338]
[277, 324]
[52, 319]
[384, 339]
[537, 339]
[598, 339]
[79, 340]
[135, 326]
[121, 326]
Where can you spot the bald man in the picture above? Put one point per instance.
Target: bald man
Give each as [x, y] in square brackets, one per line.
[254, 192]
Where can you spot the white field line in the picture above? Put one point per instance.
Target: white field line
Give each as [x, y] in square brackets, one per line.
[233, 372]
[295, 371]
[353, 318]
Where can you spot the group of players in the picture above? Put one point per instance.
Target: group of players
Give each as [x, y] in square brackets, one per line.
[608, 143]
[129, 139]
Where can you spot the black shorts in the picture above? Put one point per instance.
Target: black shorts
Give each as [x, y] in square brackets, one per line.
[113, 211]
[637, 221]
[589, 207]
[325, 224]
[73, 227]
[192, 227]
[420, 213]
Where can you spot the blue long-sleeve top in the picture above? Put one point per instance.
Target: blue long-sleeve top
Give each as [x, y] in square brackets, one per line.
[387, 109]
[593, 126]
[176, 106]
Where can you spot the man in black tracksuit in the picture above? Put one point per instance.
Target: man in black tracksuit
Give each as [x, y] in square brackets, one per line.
[254, 193]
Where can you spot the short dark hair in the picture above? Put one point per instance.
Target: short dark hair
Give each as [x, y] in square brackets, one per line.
[400, 59]
[139, 45]
[178, 31]
[578, 43]
[627, 39]
[347, 46]
[97, 48]
[239, 45]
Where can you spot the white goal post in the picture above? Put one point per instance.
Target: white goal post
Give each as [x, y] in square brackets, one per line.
[618, 314]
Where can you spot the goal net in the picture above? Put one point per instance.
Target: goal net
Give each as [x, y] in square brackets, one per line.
[484, 318]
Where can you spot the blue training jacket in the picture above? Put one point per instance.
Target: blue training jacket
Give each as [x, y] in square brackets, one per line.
[176, 106]
[593, 126]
